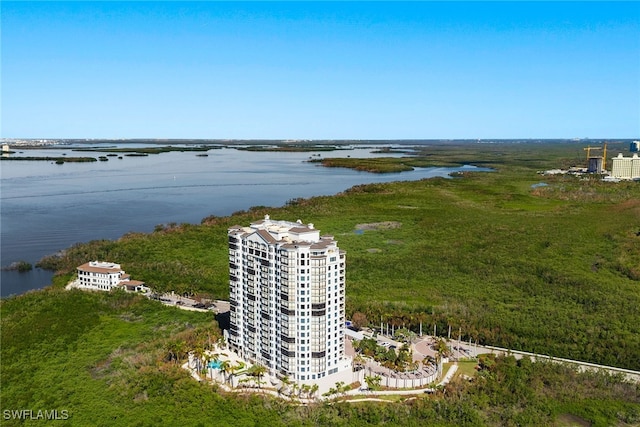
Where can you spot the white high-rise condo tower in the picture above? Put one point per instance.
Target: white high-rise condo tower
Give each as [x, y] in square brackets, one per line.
[287, 291]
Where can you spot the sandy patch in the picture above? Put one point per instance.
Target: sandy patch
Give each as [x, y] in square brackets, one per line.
[572, 421]
[386, 225]
[394, 242]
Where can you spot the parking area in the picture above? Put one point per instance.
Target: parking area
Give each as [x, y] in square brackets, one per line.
[185, 303]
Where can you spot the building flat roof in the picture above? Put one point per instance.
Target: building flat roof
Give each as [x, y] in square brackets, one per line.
[100, 267]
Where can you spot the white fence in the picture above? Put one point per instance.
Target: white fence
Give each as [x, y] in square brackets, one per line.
[630, 374]
[401, 379]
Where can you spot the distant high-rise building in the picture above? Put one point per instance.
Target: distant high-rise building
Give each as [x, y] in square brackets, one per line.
[625, 167]
[287, 295]
[634, 146]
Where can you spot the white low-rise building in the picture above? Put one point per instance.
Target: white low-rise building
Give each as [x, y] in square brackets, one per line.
[625, 167]
[105, 276]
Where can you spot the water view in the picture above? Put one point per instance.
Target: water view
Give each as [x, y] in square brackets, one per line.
[48, 207]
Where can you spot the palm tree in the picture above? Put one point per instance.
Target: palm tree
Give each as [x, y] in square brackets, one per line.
[427, 360]
[226, 369]
[181, 350]
[171, 349]
[177, 351]
[373, 381]
[207, 366]
[342, 388]
[358, 362]
[442, 348]
[368, 381]
[305, 389]
[258, 371]
[198, 354]
[235, 369]
[439, 363]
[286, 382]
[221, 342]
[331, 392]
[314, 390]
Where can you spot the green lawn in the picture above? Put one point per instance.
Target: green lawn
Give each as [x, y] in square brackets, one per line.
[467, 368]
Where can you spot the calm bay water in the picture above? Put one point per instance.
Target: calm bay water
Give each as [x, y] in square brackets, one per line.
[47, 207]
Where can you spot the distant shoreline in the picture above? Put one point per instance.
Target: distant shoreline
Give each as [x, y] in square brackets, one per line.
[27, 143]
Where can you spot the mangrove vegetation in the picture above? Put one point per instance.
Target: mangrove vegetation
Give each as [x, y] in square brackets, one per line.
[114, 359]
[551, 269]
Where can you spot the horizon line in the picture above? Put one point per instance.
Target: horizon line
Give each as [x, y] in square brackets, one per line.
[298, 140]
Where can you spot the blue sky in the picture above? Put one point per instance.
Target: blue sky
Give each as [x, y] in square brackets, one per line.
[307, 70]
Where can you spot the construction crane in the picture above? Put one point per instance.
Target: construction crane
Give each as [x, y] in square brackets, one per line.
[604, 155]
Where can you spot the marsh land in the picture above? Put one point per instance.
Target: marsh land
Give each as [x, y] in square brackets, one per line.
[551, 269]
[47, 207]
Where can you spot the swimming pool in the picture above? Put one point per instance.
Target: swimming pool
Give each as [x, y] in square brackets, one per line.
[214, 364]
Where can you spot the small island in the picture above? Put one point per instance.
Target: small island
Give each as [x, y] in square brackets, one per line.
[20, 266]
